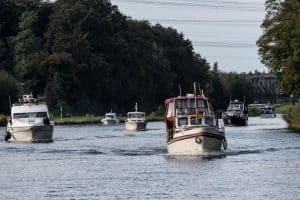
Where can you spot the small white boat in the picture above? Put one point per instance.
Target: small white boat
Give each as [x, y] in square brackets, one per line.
[136, 120]
[267, 111]
[29, 122]
[110, 119]
[192, 128]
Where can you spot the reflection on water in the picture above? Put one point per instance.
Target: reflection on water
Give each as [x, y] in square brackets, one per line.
[100, 162]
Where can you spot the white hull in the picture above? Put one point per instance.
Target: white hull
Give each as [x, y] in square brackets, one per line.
[135, 126]
[109, 122]
[196, 141]
[271, 115]
[31, 133]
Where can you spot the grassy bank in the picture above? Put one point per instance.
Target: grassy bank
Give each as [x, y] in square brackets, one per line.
[96, 119]
[292, 116]
[3, 120]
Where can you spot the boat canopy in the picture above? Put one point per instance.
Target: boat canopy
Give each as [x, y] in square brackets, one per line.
[185, 105]
[135, 114]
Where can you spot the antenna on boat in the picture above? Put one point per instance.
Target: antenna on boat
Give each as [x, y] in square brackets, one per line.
[230, 98]
[196, 103]
[136, 107]
[179, 90]
[199, 89]
[9, 102]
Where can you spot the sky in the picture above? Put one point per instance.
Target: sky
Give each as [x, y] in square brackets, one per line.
[223, 31]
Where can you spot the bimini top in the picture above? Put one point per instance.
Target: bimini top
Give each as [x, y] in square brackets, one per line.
[135, 114]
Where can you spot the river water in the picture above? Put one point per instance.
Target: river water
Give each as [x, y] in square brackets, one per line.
[223, 31]
[97, 162]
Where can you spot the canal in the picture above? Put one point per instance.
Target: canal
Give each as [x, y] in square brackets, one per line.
[107, 162]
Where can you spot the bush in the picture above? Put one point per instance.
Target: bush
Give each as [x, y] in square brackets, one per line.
[3, 120]
[8, 88]
[293, 117]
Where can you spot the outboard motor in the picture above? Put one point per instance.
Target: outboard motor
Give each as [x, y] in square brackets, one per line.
[46, 121]
[7, 136]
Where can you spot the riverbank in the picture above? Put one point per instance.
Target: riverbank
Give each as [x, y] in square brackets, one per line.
[291, 114]
[90, 119]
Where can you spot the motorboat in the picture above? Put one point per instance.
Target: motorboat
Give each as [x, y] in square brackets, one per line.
[110, 119]
[29, 121]
[236, 114]
[267, 111]
[136, 120]
[191, 126]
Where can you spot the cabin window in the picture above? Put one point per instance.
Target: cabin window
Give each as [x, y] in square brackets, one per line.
[136, 115]
[30, 115]
[190, 105]
[201, 106]
[196, 122]
[180, 106]
[209, 121]
[182, 121]
[170, 110]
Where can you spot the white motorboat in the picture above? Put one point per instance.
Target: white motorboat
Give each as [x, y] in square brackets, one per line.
[136, 120]
[29, 121]
[192, 128]
[110, 119]
[267, 111]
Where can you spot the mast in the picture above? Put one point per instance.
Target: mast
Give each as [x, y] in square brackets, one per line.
[196, 103]
[136, 107]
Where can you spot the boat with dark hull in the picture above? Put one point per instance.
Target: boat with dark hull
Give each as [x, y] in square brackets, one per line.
[236, 114]
[191, 126]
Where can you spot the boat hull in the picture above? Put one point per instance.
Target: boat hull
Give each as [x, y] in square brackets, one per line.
[135, 126]
[235, 121]
[196, 141]
[270, 115]
[110, 122]
[30, 134]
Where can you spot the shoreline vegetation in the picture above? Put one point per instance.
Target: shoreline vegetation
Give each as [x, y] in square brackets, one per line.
[290, 113]
[91, 119]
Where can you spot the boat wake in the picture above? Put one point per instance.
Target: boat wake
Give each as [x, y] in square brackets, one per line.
[139, 152]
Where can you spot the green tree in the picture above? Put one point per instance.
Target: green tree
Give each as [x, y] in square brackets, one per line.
[8, 88]
[279, 46]
[26, 47]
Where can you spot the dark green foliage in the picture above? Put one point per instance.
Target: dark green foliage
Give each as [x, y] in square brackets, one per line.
[87, 57]
[8, 88]
[279, 46]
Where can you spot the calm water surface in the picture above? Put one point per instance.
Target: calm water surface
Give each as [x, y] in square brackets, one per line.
[98, 162]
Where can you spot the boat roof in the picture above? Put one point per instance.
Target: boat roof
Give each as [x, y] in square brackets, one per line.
[110, 113]
[135, 113]
[25, 108]
[188, 96]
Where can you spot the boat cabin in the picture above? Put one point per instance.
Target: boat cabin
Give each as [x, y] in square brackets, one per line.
[188, 111]
[237, 106]
[135, 116]
[110, 116]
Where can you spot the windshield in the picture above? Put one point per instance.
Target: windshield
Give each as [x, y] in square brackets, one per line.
[235, 107]
[30, 115]
[136, 115]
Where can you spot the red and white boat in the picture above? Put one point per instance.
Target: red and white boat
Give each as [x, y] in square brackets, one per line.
[192, 128]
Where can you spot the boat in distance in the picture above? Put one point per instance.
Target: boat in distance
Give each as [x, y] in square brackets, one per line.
[136, 120]
[110, 119]
[267, 111]
[29, 121]
[191, 126]
[236, 113]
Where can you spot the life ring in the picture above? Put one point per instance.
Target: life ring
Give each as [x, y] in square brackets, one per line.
[198, 140]
[225, 144]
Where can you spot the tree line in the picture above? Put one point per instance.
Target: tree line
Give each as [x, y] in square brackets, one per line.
[88, 57]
